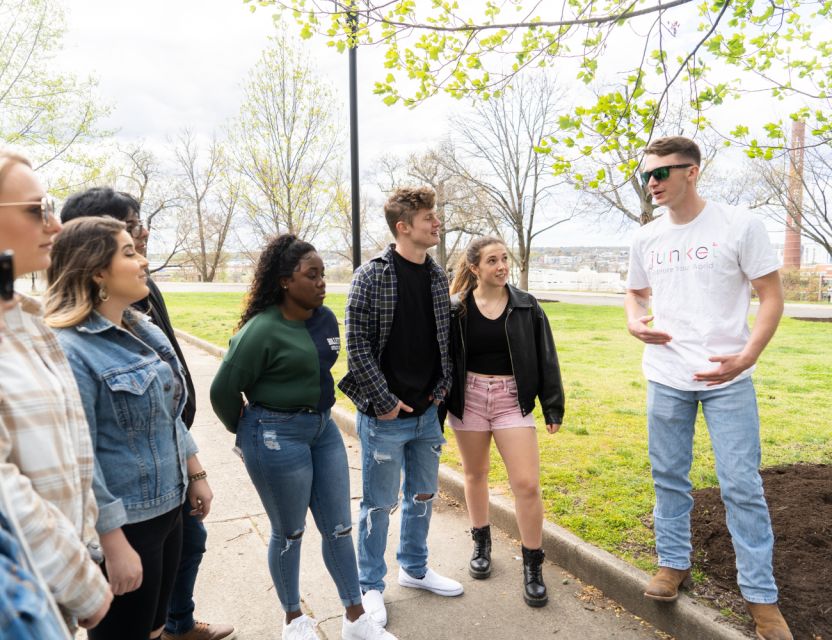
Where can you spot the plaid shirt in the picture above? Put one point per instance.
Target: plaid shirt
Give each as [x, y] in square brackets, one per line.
[46, 460]
[371, 304]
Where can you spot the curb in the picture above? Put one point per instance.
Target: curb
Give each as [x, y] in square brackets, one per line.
[684, 619]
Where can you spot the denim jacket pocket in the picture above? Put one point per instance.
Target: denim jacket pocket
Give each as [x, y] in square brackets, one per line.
[132, 397]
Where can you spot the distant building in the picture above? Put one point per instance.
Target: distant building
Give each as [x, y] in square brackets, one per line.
[581, 280]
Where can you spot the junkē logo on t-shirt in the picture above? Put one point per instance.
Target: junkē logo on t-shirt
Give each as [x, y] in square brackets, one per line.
[699, 256]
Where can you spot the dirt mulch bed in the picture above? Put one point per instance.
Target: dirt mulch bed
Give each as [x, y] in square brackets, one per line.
[800, 501]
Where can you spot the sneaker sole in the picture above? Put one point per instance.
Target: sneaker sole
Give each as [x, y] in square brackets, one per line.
[438, 592]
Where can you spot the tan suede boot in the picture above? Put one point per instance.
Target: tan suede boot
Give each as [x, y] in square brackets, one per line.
[770, 624]
[665, 584]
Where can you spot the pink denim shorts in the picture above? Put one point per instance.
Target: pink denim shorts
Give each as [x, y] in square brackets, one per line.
[490, 404]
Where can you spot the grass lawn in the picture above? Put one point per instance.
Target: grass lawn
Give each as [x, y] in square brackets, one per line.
[595, 473]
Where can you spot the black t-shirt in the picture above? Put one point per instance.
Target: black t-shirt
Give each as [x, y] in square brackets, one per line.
[410, 362]
[487, 342]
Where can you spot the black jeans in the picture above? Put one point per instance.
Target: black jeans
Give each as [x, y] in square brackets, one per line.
[134, 615]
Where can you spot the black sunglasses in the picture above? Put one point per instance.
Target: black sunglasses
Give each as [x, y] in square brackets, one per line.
[661, 173]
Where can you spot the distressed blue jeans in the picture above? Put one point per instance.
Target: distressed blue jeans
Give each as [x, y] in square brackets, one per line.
[734, 428]
[297, 462]
[388, 448]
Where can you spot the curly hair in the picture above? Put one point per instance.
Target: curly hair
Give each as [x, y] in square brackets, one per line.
[278, 260]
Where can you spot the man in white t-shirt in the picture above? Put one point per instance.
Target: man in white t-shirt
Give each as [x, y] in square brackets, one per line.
[699, 262]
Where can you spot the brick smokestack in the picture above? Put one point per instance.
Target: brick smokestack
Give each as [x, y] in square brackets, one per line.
[791, 247]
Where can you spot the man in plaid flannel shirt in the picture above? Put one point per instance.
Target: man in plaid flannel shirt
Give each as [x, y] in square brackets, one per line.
[397, 325]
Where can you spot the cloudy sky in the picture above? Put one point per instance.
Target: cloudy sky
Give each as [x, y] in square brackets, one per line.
[164, 65]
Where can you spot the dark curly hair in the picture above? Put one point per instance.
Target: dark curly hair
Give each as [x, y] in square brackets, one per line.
[278, 260]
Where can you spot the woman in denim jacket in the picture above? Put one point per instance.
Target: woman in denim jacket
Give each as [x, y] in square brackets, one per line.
[131, 384]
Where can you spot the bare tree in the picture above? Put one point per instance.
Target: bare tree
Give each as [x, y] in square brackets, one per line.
[340, 219]
[503, 137]
[284, 141]
[813, 216]
[143, 177]
[138, 171]
[209, 202]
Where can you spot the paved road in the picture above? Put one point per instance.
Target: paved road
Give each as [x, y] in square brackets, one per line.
[793, 310]
[234, 584]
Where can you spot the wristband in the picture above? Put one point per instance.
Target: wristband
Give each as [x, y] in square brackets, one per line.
[199, 475]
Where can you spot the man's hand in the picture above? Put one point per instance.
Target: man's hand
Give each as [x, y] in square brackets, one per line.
[640, 329]
[553, 428]
[392, 415]
[98, 616]
[730, 366]
[123, 564]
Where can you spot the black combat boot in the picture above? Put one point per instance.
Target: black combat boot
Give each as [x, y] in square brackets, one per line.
[534, 591]
[480, 565]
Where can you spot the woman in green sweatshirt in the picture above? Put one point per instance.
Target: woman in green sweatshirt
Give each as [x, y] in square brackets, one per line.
[281, 360]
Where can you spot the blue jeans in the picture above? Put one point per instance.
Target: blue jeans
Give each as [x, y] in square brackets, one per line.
[181, 609]
[25, 612]
[734, 427]
[297, 462]
[388, 447]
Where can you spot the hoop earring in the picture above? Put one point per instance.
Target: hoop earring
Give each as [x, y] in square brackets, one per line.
[103, 294]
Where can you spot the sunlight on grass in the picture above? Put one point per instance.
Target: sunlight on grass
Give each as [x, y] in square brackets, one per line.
[595, 473]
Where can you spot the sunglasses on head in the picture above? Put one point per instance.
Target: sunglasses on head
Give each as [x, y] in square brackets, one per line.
[661, 173]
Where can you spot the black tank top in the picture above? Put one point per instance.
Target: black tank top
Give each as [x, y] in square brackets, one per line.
[487, 342]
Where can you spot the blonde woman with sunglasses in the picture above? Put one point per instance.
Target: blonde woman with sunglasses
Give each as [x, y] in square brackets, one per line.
[46, 459]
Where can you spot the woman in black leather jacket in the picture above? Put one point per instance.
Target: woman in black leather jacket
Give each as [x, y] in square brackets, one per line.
[504, 357]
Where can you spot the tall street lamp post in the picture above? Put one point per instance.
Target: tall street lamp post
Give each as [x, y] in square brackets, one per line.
[352, 20]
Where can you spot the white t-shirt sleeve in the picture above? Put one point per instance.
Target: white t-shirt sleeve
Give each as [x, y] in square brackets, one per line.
[756, 255]
[636, 275]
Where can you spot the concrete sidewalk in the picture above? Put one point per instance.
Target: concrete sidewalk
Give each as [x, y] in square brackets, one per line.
[234, 583]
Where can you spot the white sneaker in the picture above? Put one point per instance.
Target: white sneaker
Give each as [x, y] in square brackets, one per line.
[301, 628]
[432, 582]
[373, 602]
[365, 628]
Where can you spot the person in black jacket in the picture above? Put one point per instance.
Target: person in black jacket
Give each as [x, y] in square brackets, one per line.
[504, 357]
[180, 625]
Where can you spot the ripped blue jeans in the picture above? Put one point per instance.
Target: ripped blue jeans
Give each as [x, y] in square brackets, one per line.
[388, 448]
[297, 462]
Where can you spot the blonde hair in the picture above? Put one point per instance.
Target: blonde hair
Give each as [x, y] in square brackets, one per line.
[464, 279]
[8, 158]
[82, 249]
